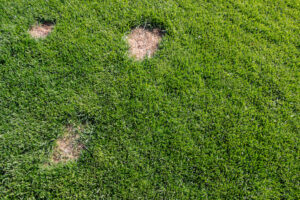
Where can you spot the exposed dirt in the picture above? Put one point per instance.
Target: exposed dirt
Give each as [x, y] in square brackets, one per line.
[41, 30]
[143, 43]
[67, 147]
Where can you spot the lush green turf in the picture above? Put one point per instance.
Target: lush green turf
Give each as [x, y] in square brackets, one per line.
[214, 115]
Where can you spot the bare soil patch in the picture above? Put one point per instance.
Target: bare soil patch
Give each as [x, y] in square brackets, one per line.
[143, 43]
[41, 30]
[68, 146]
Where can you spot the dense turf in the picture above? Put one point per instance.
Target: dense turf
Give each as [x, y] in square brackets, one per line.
[214, 115]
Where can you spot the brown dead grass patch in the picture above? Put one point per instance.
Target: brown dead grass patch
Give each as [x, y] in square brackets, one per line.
[143, 43]
[68, 146]
[41, 30]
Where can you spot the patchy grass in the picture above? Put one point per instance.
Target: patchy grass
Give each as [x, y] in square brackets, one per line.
[143, 43]
[68, 147]
[41, 30]
[214, 114]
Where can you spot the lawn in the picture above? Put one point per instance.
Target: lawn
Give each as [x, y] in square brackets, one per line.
[214, 114]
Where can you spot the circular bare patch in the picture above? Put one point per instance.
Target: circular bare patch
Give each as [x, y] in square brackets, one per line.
[68, 147]
[41, 30]
[143, 42]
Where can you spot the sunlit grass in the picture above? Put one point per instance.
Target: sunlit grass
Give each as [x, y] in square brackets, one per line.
[212, 115]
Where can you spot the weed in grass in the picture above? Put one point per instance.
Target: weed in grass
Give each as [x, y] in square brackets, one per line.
[68, 147]
[41, 30]
[143, 43]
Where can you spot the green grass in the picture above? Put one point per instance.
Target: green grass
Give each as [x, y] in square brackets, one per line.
[214, 115]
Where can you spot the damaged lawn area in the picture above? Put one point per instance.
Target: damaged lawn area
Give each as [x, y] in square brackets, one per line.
[68, 147]
[149, 99]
